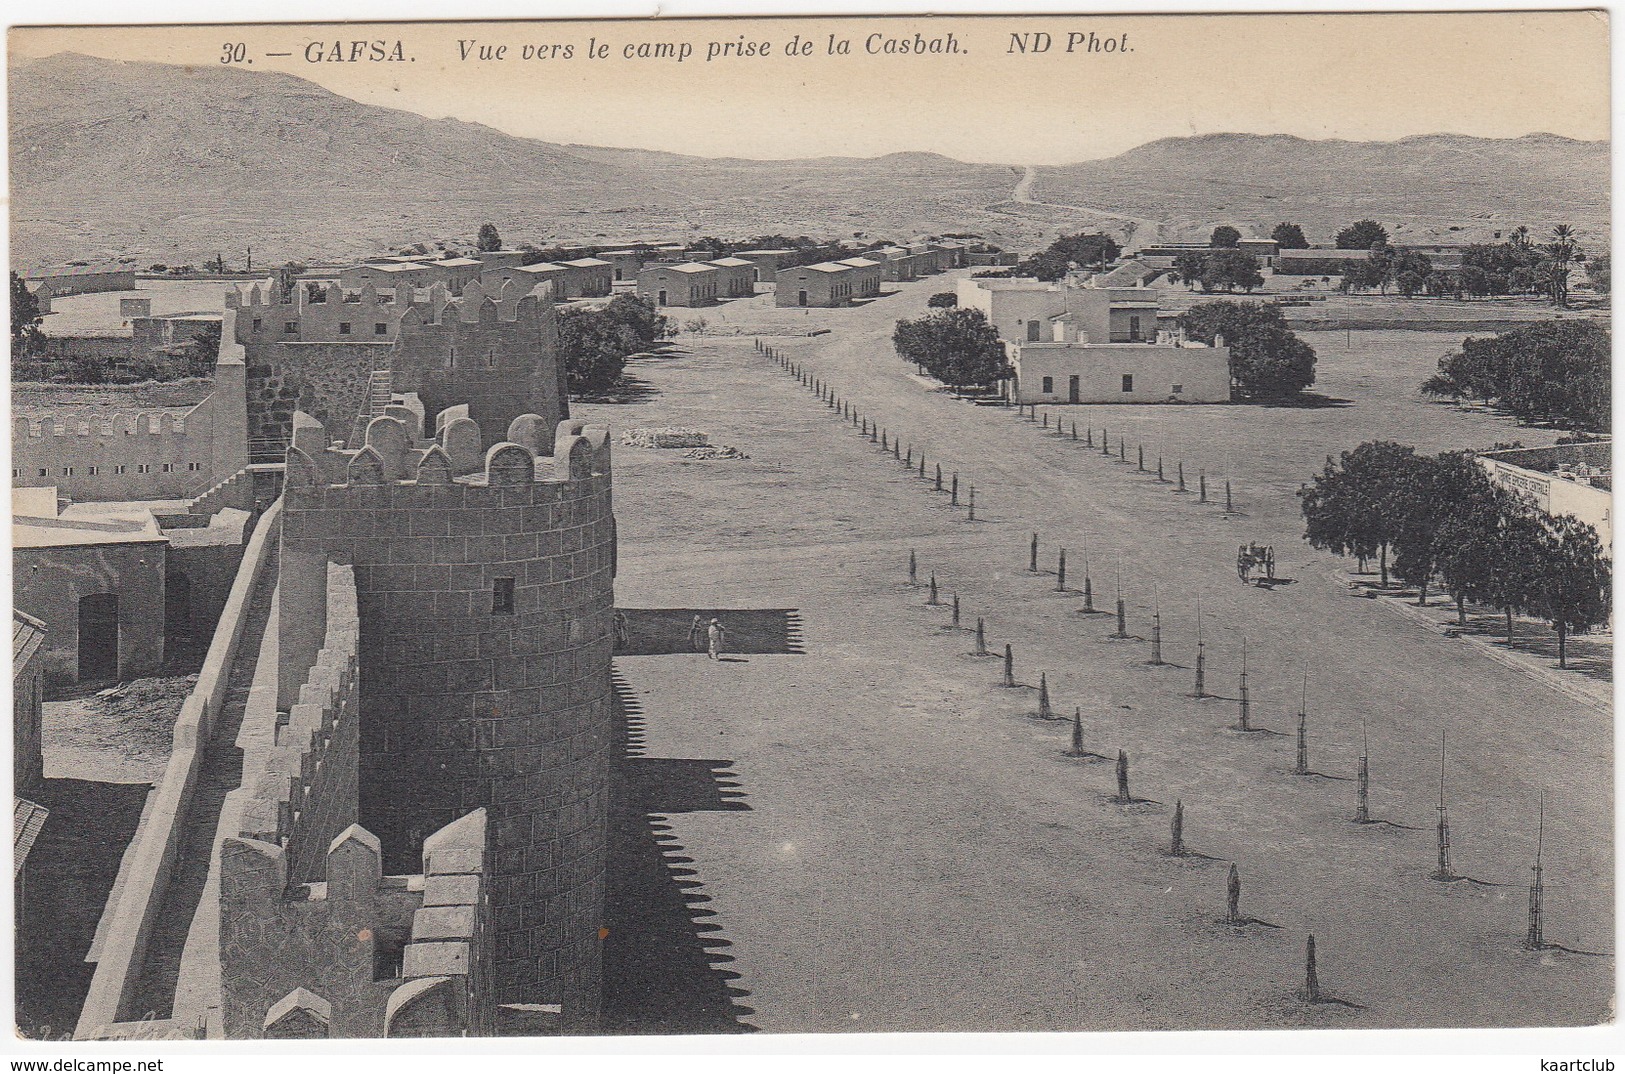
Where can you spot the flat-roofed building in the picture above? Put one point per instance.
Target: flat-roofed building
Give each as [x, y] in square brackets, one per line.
[500, 258]
[388, 275]
[929, 258]
[93, 574]
[79, 279]
[866, 276]
[625, 264]
[454, 273]
[399, 259]
[897, 264]
[736, 277]
[1166, 369]
[826, 284]
[1018, 308]
[589, 277]
[767, 262]
[679, 284]
[1565, 479]
[527, 277]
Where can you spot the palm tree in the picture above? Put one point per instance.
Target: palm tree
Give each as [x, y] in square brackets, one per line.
[1561, 251]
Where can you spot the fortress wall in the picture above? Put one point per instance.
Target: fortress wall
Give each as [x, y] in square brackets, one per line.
[470, 700]
[94, 455]
[306, 794]
[315, 940]
[119, 949]
[494, 349]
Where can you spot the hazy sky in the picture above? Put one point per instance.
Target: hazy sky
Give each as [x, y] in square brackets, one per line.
[1317, 76]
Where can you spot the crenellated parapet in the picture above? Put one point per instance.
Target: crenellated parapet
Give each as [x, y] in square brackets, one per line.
[94, 454]
[493, 348]
[357, 953]
[306, 790]
[319, 312]
[531, 455]
[484, 572]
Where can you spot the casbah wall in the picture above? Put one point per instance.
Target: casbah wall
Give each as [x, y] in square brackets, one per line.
[467, 702]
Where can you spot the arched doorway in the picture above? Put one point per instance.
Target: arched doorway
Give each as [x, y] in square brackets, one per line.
[98, 637]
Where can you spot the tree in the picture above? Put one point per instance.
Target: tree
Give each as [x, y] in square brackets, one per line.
[957, 346]
[1473, 281]
[943, 300]
[1548, 371]
[1561, 254]
[201, 351]
[1358, 506]
[488, 241]
[593, 347]
[26, 337]
[1573, 582]
[1228, 269]
[1289, 237]
[1057, 259]
[1188, 266]
[1224, 236]
[1362, 235]
[641, 317]
[1267, 361]
[1435, 493]
[1598, 269]
[1472, 539]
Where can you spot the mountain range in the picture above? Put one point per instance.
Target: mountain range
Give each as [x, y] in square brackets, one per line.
[173, 164]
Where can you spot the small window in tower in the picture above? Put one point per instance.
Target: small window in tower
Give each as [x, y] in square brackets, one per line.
[491, 358]
[258, 321]
[67, 471]
[451, 358]
[43, 472]
[1128, 382]
[502, 597]
[93, 470]
[1178, 389]
[344, 328]
[1049, 385]
[290, 327]
[380, 329]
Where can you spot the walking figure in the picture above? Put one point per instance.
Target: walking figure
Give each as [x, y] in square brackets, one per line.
[714, 635]
[696, 634]
[621, 637]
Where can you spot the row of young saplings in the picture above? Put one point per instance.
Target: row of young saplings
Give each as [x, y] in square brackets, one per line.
[868, 429]
[1088, 441]
[891, 444]
[1534, 938]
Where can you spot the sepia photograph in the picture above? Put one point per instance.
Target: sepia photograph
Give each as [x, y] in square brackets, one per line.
[759, 525]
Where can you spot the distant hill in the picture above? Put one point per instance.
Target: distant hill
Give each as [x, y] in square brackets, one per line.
[173, 164]
[1422, 187]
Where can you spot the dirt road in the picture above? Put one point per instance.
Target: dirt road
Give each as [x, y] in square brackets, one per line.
[908, 848]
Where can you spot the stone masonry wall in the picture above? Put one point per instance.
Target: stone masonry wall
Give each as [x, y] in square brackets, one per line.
[307, 793]
[315, 940]
[471, 698]
[494, 349]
